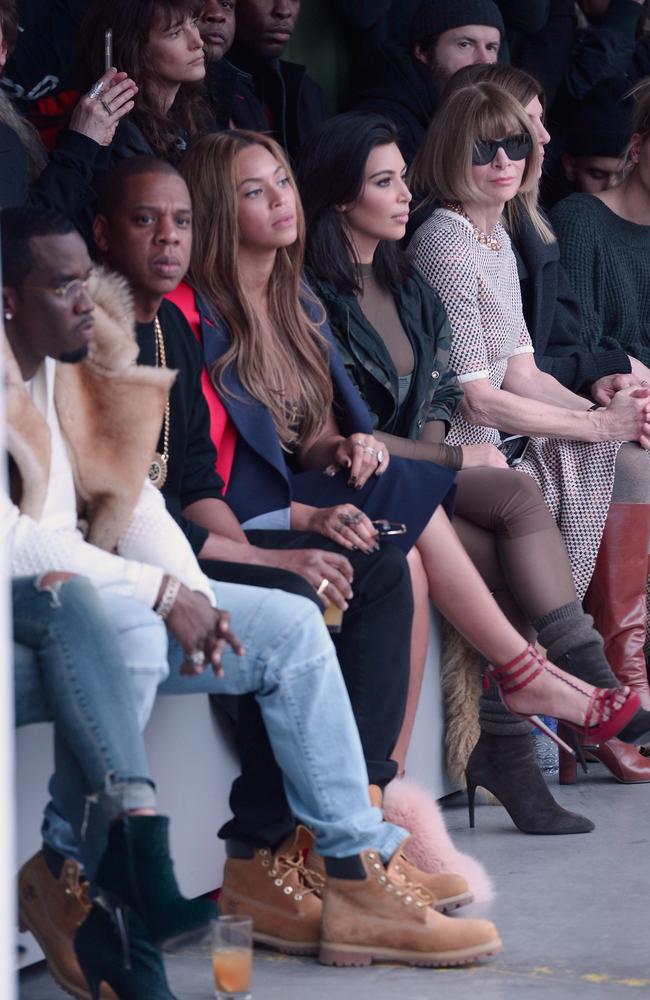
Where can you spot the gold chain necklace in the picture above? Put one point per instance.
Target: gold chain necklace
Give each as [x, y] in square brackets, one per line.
[160, 462]
[485, 239]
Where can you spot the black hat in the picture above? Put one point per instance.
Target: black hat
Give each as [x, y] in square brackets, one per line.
[601, 124]
[435, 16]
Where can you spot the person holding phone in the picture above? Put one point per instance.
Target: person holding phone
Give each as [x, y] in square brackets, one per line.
[395, 339]
[59, 180]
[159, 45]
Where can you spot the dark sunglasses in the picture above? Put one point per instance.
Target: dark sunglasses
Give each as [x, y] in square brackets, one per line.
[516, 147]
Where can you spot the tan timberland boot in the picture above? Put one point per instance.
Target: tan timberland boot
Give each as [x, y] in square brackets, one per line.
[448, 891]
[52, 909]
[375, 919]
[281, 895]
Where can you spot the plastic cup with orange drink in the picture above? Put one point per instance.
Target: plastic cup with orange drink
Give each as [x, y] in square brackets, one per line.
[232, 957]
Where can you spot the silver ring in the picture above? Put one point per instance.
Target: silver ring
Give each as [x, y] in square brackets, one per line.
[96, 90]
[324, 584]
[359, 444]
[644, 381]
[197, 657]
[371, 451]
[106, 107]
[348, 520]
[380, 457]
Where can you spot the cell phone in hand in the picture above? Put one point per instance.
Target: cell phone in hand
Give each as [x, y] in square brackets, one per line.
[108, 49]
[514, 449]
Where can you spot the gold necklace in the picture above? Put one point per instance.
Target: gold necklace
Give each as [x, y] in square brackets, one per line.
[160, 462]
[485, 239]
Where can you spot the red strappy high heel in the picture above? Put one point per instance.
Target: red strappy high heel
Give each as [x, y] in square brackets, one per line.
[610, 719]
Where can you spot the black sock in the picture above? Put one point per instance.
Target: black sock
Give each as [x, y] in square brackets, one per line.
[53, 860]
[350, 868]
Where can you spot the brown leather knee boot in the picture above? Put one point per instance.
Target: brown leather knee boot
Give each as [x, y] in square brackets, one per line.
[617, 594]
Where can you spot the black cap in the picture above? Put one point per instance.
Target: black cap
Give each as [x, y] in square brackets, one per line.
[435, 16]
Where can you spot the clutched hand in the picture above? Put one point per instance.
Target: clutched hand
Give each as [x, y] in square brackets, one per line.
[203, 632]
[363, 456]
[347, 525]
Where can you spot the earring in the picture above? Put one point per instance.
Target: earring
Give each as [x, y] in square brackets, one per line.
[8, 314]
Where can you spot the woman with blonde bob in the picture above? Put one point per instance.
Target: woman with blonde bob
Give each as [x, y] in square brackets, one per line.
[557, 322]
[305, 456]
[480, 153]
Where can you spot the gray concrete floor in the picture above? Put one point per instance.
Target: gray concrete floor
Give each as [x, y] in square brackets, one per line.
[573, 913]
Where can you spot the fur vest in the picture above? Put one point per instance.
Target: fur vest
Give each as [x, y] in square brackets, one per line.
[110, 410]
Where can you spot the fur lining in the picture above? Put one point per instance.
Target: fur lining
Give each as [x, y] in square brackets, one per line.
[110, 410]
[461, 688]
[111, 413]
[430, 847]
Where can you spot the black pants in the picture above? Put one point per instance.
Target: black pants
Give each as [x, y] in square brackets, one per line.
[374, 653]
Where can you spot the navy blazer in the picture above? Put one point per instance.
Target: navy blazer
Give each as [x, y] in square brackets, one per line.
[261, 480]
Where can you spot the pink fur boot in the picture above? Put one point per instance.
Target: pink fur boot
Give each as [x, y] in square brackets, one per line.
[409, 805]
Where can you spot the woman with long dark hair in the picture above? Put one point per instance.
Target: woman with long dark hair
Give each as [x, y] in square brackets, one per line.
[394, 336]
[157, 42]
[306, 456]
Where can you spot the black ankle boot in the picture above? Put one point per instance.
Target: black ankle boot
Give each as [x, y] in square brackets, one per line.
[130, 964]
[572, 643]
[137, 871]
[506, 766]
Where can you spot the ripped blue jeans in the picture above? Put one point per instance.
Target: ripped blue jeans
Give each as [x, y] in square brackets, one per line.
[69, 669]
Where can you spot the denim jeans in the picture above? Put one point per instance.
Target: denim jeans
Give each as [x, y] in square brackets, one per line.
[68, 668]
[373, 651]
[291, 667]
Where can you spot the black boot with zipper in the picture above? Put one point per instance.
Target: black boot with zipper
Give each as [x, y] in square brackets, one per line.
[122, 955]
[136, 871]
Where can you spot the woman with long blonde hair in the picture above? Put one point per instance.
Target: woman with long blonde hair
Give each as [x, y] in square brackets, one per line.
[302, 460]
[490, 156]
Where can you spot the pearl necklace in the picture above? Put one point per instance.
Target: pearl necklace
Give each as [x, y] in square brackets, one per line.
[485, 239]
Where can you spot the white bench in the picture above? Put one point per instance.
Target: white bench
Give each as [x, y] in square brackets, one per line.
[193, 764]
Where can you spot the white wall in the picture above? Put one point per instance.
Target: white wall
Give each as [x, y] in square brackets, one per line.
[7, 833]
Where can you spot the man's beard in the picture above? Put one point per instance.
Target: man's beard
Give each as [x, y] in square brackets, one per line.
[74, 357]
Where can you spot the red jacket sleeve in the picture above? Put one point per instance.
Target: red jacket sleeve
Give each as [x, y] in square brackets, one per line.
[222, 431]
